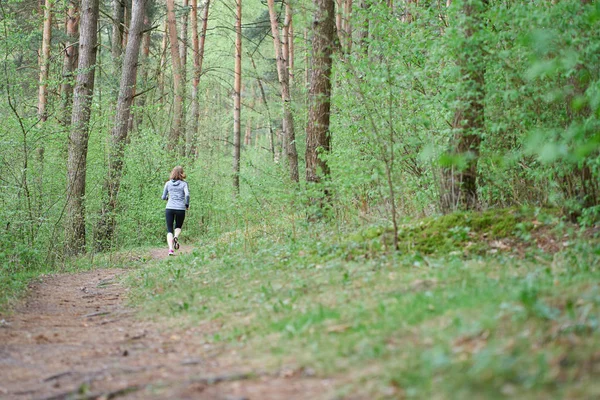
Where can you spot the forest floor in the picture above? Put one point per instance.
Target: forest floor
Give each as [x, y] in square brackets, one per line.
[491, 305]
[74, 337]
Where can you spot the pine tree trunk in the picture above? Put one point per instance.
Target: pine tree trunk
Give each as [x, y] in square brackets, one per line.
[175, 133]
[347, 25]
[106, 224]
[183, 50]
[118, 21]
[306, 58]
[281, 54]
[248, 134]
[363, 32]
[160, 73]
[45, 61]
[266, 104]
[237, 85]
[69, 61]
[291, 47]
[198, 44]
[317, 131]
[78, 140]
[459, 189]
[145, 65]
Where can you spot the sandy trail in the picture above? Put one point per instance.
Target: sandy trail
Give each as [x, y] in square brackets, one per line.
[74, 338]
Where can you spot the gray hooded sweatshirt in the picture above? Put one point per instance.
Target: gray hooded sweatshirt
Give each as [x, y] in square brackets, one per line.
[178, 194]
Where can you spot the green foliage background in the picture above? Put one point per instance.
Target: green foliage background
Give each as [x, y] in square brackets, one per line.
[394, 97]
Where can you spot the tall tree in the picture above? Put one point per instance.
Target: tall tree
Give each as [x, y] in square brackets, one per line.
[290, 39]
[144, 64]
[45, 60]
[175, 134]
[363, 31]
[118, 29]
[347, 25]
[281, 54]
[106, 223]
[78, 140]
[183, 51]
[237, 86]
[198, 45]
[69, 60]
[317, 131]
[460, 181]
[160, 73]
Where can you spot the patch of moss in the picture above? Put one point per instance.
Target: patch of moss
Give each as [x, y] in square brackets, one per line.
[471, 231]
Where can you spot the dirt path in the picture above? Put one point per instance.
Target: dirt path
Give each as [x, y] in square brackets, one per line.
[74, 338]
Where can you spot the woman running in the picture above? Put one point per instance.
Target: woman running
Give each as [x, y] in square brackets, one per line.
[178, 195]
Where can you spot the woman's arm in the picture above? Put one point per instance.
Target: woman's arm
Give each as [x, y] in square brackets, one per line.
[165, 192]
[186, 192]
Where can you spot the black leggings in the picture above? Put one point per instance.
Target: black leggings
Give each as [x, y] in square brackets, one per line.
[174, 215]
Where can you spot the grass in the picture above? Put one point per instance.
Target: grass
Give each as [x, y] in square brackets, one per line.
[435, 320]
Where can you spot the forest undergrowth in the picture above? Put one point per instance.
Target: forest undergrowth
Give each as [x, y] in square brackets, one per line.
[472, 305]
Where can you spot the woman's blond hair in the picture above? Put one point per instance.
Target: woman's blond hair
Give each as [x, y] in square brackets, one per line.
[177, 174]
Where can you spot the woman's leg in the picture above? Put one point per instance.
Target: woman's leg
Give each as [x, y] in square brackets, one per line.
[170, 217]
[179, 218]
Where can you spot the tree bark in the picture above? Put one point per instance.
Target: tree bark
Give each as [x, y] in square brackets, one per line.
[248, 134]
[118, 28]
[69, 61]
[306, 58]
[363, 32]
[266, 104]
[78, 140]
[175, 133]
[198, 44]
[183, 51]
[107, 222]
[289, 137]
[237, 85]
[459, 189]
[291, 49]
[45, 61]
[347, 31]
[145, 65]
[317, 131]
[160, 73]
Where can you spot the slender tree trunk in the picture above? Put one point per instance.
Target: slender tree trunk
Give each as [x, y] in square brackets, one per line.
[69, 61]
[45, 61]
[317, 131]
[78, 141]
[291, 45]
[264, 99]
[126, 22]
[160, 74]
[118, 28]
[347, 25]
[145, 65]
[237, 85]
[248, 134]
[460, 185]
[281, 54]
[306, 58]
[198, 59]
[175, 134]
[363, 33]
[183, 51]
[106, 225]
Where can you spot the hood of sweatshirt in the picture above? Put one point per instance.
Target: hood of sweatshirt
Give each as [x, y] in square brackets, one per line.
[175, 182]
